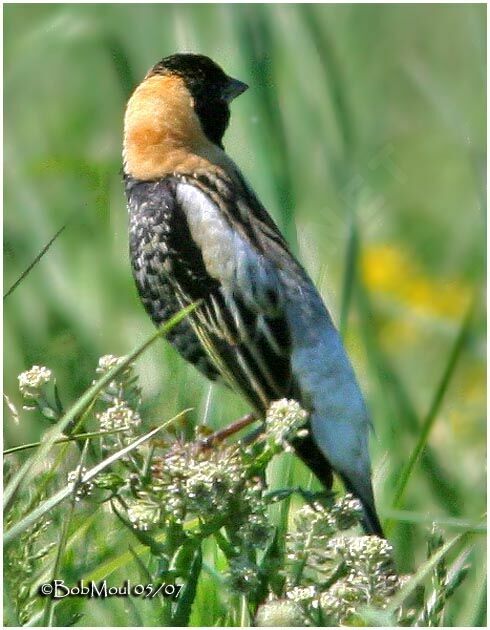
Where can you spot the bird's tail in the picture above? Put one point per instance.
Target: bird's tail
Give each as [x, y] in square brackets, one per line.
[370, 521]
[313, 457]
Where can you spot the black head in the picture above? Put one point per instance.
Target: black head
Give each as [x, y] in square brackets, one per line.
[211, 89]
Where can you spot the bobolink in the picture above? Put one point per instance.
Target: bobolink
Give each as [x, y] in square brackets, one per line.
[198, 232]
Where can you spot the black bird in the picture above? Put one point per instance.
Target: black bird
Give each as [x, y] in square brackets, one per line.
[199, 232]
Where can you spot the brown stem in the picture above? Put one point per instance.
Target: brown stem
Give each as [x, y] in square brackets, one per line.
[231, 429]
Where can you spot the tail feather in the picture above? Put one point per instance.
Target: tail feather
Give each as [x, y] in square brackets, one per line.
[316, 461]
[370, 521]
[312, 457]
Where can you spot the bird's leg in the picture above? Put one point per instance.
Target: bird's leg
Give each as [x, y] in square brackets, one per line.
[231, 429]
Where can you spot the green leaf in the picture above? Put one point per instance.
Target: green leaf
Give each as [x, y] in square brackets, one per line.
[142, 568]
[188, 593]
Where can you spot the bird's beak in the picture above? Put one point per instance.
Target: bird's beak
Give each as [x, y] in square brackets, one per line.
[233, 88]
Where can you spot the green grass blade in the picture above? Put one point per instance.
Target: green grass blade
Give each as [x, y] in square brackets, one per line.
[31, 266]
[343, 167]
[445, 487]
[109, 567]
[121, 560]
[49, 606]
[352, 255]
[121, 62]
[186, 598]
[81, 404]
[257, 39]
[479, 619]
[75, 537]
[406, 516]
[143, 570]
[423, 572]
[71, 438]
[434, 408]
[333, 76]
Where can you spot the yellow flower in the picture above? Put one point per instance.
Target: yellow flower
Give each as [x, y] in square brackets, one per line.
[390, 270]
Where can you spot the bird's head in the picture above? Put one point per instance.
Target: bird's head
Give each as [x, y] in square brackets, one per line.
[209, 88]
[182, 104]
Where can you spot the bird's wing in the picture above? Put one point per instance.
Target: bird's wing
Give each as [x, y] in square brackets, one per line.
[149, 205]
[241, 323]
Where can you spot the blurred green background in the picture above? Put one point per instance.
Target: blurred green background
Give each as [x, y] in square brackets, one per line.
[363, 132]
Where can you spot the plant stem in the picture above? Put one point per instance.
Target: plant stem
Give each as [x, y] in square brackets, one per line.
[72, 438]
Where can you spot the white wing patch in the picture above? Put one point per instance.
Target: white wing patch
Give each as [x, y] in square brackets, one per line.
[219, 244]
[227, 256]
[247, 279]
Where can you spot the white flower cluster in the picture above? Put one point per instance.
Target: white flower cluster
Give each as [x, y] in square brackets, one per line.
[285, 420]
[207, 482]
[302, 593]
[107, 362]
[315, 524]
[143, 513]
[31, 381]
[346, 512]
[366, 553]
[315, 518]
[256, 530]
[125, 384]
[364, 564]
[118, 416]
[211, 483]
[370, 579]
[280, 613]
[340, 601]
